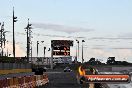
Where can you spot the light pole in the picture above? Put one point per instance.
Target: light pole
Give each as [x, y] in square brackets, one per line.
[82, 50]
[76, 55]
[7, 48]
[78, 49]
[37, 47]
[48, 59]
[28, 38]
[4, 39]
[2, 30]
[31, 52]
[43, 52]
[0, 39]
[51, 60]
[14, 20]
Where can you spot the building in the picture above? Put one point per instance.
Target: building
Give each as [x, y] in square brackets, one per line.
[46, 60]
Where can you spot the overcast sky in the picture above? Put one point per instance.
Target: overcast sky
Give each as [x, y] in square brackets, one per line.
[105, 25]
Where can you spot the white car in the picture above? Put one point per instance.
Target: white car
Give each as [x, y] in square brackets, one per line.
[67, 69]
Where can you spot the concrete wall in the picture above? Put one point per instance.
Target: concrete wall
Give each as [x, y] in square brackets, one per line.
[121, 68]
[104, 69]
[114, 69]
[14, 66]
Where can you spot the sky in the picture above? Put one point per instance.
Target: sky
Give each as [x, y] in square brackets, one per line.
[105, 25]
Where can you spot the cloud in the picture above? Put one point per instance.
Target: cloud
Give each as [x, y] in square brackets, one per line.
[124, 53]
[125, 35]
[48, 35]
[110, 38]
[38, 34]
[97, 48]
[120, 48]
[61, 28]
[116, 48]
[101, 53]
[19, 51]
[98, 54]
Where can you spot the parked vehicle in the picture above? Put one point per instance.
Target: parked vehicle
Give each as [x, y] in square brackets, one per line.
[67, 69]
[39, 70]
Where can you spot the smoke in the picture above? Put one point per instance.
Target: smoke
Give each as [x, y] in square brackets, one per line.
[60, 28]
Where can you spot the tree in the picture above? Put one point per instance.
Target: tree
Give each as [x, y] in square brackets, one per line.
[92, 61]
[111, 61]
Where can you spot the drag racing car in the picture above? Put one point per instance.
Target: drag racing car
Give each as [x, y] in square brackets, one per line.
[85, 70]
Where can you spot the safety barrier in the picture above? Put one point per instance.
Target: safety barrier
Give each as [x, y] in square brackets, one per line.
[24, 82]
[13, 71]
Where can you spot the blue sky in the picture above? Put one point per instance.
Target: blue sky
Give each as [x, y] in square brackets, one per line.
[103, 19]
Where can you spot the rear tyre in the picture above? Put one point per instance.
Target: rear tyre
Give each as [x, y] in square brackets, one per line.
[82, 80]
